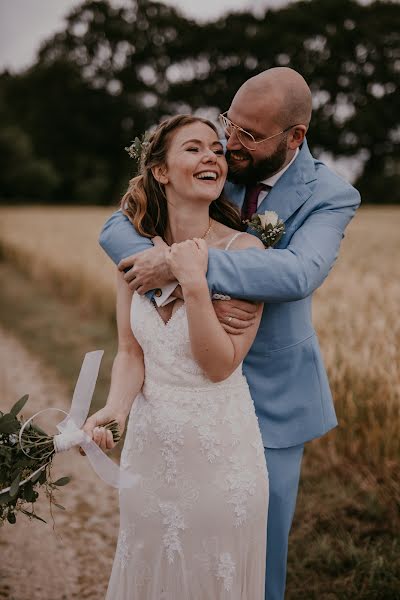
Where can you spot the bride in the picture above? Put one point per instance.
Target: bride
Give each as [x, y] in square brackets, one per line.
[194, 528]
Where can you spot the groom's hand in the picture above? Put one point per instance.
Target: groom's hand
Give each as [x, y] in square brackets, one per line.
[235, 316]
[147, 270]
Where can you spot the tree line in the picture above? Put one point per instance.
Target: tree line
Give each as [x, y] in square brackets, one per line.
[114, 72]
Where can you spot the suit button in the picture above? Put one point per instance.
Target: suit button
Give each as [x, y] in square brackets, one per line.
[158, 292]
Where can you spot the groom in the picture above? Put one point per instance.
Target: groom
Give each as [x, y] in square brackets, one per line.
[270, 168]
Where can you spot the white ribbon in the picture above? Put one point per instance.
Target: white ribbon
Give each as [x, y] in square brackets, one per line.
[71, 433]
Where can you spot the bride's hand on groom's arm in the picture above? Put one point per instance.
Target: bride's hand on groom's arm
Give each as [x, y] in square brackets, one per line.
[94, 427]
[147, 269]
[235, 316]
[188, 262]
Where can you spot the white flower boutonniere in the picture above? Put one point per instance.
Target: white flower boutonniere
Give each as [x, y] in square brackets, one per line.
[269, 227]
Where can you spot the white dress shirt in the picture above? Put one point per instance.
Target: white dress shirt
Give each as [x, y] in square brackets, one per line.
[165, 297]
[271, 181]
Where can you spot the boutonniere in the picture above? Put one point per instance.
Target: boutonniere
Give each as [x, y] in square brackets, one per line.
[269, 227]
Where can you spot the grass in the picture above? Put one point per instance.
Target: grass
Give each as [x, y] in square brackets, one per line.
[57, 247]
[59, 332]
[345, 541]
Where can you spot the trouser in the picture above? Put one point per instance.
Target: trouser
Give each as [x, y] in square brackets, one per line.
[284, 466]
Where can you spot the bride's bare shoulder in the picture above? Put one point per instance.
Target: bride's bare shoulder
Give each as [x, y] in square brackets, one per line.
[224, 234]
[246, 240]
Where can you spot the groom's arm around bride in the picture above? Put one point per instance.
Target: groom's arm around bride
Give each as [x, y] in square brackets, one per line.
[265, 129]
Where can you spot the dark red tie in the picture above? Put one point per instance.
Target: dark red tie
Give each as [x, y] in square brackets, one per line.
[250, 201]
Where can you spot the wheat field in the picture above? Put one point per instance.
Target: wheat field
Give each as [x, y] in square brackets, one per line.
[352, 473]
[58, 248]
[355, 310]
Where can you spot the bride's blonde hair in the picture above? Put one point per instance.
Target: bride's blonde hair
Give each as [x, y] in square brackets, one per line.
[145, 204]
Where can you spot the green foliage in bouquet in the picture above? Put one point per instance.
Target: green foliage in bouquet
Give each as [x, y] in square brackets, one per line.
[21, 475]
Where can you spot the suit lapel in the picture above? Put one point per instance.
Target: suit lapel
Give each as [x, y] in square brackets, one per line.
[285, 200]
[292, 189]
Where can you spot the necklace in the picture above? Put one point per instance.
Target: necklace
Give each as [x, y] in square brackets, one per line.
[210, 224]
[208, 230]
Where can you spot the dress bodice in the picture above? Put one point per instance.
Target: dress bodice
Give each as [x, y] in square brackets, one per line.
[166, 347]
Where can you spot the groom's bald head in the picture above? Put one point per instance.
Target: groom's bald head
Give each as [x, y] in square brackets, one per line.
[275, 108]
[280, 94]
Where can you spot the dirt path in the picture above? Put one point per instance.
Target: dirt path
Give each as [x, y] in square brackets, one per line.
[74, 560]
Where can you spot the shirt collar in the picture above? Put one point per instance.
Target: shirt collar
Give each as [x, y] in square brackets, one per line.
[271, 181]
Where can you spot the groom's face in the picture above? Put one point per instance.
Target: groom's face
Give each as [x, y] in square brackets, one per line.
[261, 160]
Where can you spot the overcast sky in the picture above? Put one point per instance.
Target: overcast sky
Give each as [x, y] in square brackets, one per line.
[25, 23]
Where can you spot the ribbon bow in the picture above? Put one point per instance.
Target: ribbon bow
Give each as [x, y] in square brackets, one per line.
[71, 433]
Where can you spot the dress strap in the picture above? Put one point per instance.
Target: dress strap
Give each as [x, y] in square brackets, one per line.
[233, 238]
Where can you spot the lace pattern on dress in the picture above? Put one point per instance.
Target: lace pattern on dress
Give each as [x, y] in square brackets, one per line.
[124, 545]
[173, 512]
[240, 483]
[128, 552]
[226, 569]
[220, 564]
[174, 521]
[167, 411]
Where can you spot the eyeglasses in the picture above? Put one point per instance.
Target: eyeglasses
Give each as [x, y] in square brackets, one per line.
[244, 137]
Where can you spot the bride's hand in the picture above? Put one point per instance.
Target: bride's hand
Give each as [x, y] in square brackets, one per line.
[94, 427]
[158, 242]
[188, 260]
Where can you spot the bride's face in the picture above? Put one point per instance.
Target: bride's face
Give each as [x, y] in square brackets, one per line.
[196, 167]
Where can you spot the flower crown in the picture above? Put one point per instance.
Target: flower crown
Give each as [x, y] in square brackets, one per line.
[138, 148]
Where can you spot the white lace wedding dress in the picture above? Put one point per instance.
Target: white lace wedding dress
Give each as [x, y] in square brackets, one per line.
[195, 527]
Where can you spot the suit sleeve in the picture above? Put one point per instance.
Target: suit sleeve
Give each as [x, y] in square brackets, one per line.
[119, 238]
[292, 273]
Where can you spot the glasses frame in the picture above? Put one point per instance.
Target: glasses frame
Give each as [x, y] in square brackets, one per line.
[225, 121]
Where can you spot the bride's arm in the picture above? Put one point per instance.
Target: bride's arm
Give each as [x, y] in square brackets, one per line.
[217, 352]
[127, 375]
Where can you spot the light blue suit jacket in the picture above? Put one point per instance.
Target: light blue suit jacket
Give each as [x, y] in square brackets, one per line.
[284, 366]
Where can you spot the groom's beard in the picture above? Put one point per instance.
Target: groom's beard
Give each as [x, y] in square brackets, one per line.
[259, 171]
